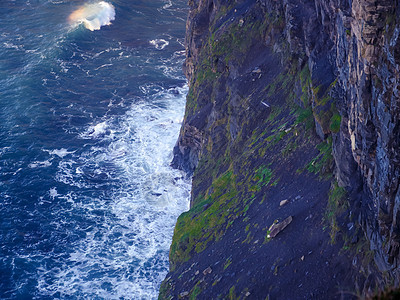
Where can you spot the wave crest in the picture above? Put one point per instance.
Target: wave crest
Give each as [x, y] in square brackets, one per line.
[93, 15]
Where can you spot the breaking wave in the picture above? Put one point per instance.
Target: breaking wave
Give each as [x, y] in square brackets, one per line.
[159, 44]
[93, 15]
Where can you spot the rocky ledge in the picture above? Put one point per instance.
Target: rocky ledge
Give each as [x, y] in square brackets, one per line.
[292, 135]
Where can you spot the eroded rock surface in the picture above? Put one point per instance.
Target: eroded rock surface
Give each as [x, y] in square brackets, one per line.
[260, 72]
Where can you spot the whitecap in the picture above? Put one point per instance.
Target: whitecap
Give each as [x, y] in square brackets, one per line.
[93, 15]
[40, 164]
[11, 46]
[97, 130]
[53, 192]
[59, 152]
[160, 44]
[4, 150]
[103, 66]
[168, 5]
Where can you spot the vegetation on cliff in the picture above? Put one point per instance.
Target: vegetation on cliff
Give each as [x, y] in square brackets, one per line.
[264, 135]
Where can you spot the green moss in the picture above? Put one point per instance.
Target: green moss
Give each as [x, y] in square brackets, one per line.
[262, 177]
[206, 221]
[229, 183]
[232, 43]
[335, 123]
[164, 288]
[194, 293]
[305, 82]
[206, 74]
[248, 238]
[276, 137]
[267, 238]
[323, 162]
[275, 112]
[246, 208]
[228, 262]
[305, 116]
[337, 204]
[232, 293]
[325, 111]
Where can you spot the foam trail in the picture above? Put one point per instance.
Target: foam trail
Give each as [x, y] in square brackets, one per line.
[93, 15]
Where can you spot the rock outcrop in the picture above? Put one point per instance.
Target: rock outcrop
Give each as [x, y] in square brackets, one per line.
[289, 90]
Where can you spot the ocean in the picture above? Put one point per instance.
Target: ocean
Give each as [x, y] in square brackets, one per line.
[92, 98]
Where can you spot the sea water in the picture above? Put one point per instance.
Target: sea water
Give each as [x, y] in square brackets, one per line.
[91, 101]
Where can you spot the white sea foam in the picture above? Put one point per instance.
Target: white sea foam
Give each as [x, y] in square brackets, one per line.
[167, 5]
[159, 43]
[60, 152]
[125, 255]
[53, 192]
[93, 15]
[98, 130]
[40, 164]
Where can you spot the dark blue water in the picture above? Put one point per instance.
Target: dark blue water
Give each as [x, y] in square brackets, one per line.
[88, 120]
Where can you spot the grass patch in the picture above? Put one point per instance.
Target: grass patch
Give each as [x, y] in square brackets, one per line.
[305, 116]
[337, 204]
[261, 178]
[335, 123]
[321, 164]
[194, 293]
[228, 262]
[232, 293]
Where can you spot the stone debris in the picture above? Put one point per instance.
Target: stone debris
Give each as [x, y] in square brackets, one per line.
[183, 294]
[197, 272]
[265, 104]
[207, 271]
[283, 202]
[278, 227]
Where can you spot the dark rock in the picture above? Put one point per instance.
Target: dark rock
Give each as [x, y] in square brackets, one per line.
[354, 239]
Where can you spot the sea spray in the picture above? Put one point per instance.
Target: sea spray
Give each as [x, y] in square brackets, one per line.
[93, 15]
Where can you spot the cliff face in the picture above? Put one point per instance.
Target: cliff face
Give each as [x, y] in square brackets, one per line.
[367, 63]
[283, 94]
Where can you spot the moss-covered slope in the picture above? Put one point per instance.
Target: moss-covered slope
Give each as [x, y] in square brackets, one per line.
[265, 138]
[258, 148]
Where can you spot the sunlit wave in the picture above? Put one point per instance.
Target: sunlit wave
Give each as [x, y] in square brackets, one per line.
[93, 15]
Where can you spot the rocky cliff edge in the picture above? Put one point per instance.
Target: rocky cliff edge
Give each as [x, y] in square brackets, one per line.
[292, 135]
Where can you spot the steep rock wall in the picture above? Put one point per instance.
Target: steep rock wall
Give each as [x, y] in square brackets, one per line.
[352, 53]
[368, 76]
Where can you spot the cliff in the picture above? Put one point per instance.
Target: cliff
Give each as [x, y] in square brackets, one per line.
[291, 133]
